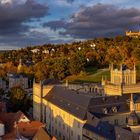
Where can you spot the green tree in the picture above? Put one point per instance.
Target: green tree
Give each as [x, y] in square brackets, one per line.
[77, 63]
[19, 99]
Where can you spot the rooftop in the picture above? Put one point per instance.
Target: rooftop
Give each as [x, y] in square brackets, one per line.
[69, 100]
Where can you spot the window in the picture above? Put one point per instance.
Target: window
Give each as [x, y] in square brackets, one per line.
[78, 124]
[105, 111]
[59, 135]
[55, 131]
[55, 121]
[52, 129]
[71, 133]
[63, 126]
[116, 122]
[126, 120]
[114, 109]
[79, 137]
[59, 124]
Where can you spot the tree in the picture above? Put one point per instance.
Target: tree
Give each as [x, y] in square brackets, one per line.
[76, 63]
[19, 99]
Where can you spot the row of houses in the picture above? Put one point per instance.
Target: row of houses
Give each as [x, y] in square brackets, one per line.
[17, 126]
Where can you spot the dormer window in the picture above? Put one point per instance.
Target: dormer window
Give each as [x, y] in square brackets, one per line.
[104, 99]
[114, 109]
[105, 110]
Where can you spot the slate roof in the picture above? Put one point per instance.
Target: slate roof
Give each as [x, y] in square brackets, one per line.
[69, 100]
[97, 105]
[103, 129]
[79, 104]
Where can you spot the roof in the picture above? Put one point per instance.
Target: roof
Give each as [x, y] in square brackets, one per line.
[69, 100]
[41, 135]
[101, 104]
[10, 118]
[29, 129]
[25, 130]
[15, 75]
[51, 81]
[103, 129]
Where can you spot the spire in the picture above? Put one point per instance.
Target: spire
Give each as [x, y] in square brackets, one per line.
[19, 66]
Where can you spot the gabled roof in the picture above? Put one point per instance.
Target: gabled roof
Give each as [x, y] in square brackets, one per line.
[9, 119]
[69, 100]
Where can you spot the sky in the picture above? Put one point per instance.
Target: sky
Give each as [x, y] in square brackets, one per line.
[34, 22]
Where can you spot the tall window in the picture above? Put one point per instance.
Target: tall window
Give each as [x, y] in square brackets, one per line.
[59, 135]
[78, 124]
[63, 126]
[116, 122]
[55, 131]
[79, 137]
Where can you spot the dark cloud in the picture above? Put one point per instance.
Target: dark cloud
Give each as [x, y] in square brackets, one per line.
[14, 16]
[57, 24]
[98, 20]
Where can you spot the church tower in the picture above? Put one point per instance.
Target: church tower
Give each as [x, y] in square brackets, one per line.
[19, 66]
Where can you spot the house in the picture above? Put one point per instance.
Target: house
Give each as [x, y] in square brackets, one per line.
[17, 126]
[2, 84]
[35, 50]
[18, 80]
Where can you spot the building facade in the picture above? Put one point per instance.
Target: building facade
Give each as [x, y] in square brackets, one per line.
[2, 84]
[60, 109]
[18, 80]
[123, 81]
[133, 34]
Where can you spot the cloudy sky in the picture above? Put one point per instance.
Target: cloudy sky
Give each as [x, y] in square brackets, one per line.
[32, 22]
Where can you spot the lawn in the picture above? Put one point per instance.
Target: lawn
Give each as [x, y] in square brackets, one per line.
[93, 75]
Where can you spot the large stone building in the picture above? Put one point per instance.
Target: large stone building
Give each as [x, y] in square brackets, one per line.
[133, 34]
[72, 115]
[61, 109]
[123, 81]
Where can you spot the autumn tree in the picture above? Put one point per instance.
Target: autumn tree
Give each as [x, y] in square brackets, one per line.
[19, 99]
